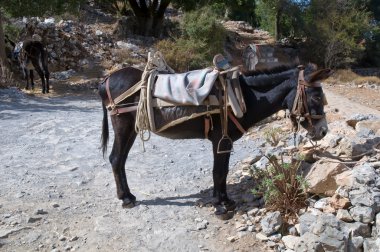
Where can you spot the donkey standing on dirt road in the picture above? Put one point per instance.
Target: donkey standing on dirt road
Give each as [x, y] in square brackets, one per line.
[32, 55]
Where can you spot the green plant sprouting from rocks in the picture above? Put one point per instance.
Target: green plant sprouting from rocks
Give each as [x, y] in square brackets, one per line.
[281, 186]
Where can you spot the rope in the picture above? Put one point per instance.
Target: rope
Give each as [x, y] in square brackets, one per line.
[156, 64]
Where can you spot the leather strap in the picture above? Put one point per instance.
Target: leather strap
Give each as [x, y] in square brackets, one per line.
[236, 122]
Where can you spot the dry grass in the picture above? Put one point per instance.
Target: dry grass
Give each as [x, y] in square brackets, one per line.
[348, 76]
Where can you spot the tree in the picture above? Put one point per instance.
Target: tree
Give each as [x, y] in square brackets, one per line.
[3, 57]
[149, 15]
[336, 29]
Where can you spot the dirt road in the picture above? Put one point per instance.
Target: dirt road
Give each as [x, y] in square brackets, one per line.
[57, 193]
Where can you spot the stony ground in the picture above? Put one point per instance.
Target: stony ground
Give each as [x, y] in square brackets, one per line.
[57, 193]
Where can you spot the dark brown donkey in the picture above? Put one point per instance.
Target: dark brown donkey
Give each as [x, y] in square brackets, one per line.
[32, 55]
[265, 93]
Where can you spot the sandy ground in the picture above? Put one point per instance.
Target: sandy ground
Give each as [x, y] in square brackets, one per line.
[57, 193]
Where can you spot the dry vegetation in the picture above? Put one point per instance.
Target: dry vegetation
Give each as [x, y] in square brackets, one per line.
[348, 76]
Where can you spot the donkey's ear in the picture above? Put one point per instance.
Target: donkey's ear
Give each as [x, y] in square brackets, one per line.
[320, 75]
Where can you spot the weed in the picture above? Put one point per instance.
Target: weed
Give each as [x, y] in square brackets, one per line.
[281, 186]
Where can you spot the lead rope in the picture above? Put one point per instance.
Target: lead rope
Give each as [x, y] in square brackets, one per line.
[156, 63]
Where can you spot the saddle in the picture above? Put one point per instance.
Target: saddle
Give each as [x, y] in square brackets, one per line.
[187, 95]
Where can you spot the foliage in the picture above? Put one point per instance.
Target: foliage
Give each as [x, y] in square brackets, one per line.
[283, 189]
[39, 7]
[202, 37]
[242, 10]
[336, 33]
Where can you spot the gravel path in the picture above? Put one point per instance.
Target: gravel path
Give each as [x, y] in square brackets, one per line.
[57, 193]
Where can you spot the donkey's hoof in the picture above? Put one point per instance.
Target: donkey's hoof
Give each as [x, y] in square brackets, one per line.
[230, 205]
[222, 213]
[127, 203]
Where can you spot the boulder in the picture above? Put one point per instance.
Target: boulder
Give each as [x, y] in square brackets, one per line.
[271, 223]
[322, 177]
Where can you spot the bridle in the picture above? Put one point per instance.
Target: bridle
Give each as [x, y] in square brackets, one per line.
[300, 111]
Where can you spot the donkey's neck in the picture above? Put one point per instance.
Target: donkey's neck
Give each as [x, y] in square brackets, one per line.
[261, 105]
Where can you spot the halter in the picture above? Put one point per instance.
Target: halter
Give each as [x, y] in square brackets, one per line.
[300, 110]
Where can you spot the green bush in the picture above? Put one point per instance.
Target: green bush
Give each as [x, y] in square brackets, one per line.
[202, 36]
[281, 186]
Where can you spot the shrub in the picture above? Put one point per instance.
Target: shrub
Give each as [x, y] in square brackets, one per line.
[202, 37]
[281, 186]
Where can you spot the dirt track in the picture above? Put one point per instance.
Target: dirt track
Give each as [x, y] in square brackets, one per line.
[57, 193]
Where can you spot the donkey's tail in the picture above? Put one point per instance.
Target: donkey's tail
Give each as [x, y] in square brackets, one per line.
[105, 132]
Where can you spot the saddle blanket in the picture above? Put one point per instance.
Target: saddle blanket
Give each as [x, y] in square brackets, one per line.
[190, 88]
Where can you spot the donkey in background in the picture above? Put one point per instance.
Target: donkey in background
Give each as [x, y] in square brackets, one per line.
[31, 55]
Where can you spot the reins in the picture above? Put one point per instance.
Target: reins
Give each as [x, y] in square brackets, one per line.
[300, 109]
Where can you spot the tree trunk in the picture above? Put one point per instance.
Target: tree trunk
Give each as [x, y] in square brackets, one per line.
[277, 25]
[149, 18]
[3, 56]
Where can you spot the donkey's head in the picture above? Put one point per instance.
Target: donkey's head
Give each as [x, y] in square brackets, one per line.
[307, 102]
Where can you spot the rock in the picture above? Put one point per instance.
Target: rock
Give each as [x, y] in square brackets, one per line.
[354, 147]
[290, 241]
[292, 230]
[271, 223]
[322, 203]
[306, 221]
[64, 75]
[253, 212]
[339, 202]
[308, 242]
[371, 245]
[275, 237]
[33, 219]
[354, 119]
[365, 174]
[362, 213]
[322, 177]
[202, 225]
[377, 225]
[232, 238]
[356, 229]
[373, 125]
[344, 215]
[365, 197]
[355, 244]
[262, 237]
[40, 211]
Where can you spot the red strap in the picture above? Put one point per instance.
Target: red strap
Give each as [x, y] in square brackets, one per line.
[116, 111]
[235, 121]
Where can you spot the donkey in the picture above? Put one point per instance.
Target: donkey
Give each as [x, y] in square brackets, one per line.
[31, 55]
[265, 93]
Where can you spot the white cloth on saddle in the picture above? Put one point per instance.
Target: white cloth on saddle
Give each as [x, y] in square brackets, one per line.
[189, 88]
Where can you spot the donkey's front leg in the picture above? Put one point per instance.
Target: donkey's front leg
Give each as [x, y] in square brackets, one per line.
[125, 136]
[220, 172]
[31, 74]
[26, 76]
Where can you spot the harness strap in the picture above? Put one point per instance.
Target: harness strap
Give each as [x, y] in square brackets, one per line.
[236, 122]
[112, 104]
[117, 111]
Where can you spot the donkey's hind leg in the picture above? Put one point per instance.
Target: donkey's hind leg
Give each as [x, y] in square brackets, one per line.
[42, 77]
[31, 75]
[125, 136]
